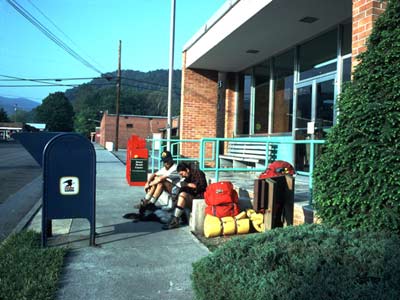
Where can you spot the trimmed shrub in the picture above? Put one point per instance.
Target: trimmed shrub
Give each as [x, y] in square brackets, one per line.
[356, 179]
[302, 262]
[26, 270]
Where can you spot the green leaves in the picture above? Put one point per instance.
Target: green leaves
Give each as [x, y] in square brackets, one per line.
[57, 112]
[3, 115]
[302, 262]
[357, 176]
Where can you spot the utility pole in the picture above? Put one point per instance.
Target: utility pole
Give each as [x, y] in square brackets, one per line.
[118, 97]
[170, 74]
[15, 112]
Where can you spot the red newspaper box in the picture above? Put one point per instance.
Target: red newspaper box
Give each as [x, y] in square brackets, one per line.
[137, 161]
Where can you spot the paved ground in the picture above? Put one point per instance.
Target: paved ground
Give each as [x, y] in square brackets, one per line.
[17, 168]
[133, 260]
[20, 186]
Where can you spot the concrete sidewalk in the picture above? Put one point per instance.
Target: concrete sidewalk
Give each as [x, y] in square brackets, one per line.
[132, 260]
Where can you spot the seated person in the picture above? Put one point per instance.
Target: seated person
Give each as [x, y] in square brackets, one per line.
[162, 180]
[193, 186]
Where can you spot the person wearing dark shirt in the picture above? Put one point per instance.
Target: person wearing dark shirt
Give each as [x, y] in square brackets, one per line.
[192, 187]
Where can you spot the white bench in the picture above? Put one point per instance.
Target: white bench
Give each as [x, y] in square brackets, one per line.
[241, 154]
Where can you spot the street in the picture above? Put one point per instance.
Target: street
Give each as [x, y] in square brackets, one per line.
[20, 185]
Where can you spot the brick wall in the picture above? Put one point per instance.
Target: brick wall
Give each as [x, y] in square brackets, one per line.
[198, 107]
[365, 12]
[230, 108]
[143, 127]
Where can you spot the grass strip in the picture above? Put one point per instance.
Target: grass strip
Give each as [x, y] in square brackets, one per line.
[28, 271]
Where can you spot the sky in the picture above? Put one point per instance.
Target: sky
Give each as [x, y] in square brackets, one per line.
[92, 28]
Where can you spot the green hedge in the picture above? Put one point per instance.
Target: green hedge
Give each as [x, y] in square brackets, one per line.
[302, 262]
[356, 179]
[26, 270]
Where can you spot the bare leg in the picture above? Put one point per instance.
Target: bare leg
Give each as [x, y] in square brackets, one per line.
[182, 199]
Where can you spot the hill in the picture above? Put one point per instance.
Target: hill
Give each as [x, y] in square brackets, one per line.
[142, 93]
[152, 81]
[9, 104]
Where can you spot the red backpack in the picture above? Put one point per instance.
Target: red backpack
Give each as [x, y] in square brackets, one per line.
[221, 199]
[278, 168]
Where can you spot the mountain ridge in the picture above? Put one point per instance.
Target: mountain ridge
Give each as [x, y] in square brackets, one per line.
[9, 104]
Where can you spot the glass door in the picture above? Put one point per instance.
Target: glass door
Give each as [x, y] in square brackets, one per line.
[315, 101]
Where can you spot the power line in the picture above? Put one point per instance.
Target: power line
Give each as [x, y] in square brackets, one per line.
[37, 85]
[60, 30]
[50, 35]
[13, 78]
[148, 82]
[77, 85]
[45, 81]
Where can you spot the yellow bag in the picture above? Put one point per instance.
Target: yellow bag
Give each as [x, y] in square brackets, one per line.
[212, 226]
[228, 225]
[257, 220]
[242, 226]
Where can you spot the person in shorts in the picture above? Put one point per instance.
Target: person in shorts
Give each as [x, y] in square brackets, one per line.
[163, 180]
[192, 187]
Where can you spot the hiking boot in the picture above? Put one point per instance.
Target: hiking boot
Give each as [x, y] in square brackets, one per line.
[143, 202]
[174, 223]
[151, 207]
[147, 207]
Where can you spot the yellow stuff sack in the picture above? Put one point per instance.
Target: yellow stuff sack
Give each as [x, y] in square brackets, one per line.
[212, 226]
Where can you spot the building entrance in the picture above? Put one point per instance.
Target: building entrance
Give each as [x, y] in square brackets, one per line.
[314, 115]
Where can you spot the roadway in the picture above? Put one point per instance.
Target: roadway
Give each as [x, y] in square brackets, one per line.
[20, 185]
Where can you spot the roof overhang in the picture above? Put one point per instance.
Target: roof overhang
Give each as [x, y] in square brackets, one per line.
[267, 26]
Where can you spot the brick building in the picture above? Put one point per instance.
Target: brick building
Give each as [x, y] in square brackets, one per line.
[272, 68]
[143, 126]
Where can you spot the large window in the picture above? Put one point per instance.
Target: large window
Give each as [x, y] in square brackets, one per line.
[243, 115]
[316, 64]
[283, 94]
[261, 97]
[246, 103]
[318, 56]
[346, 39]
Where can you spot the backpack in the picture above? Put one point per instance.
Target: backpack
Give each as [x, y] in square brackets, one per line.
[277, 168]
[221, 199]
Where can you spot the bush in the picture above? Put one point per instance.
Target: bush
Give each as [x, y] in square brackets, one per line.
[28, 271]
[302, 262]
[356, 179]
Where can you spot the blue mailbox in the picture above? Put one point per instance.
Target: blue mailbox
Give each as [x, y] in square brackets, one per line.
[69, 181]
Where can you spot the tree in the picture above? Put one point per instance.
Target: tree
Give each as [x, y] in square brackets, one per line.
[57, 112]
[23, 116]
[357, 176]
[3, 115]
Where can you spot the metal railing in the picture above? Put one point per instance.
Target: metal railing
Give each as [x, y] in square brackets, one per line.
[161, 145]
[209, 157]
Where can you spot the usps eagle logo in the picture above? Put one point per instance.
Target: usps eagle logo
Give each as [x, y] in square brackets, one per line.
[69, 185]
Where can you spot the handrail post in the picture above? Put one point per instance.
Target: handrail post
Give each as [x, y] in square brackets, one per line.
[310, 179]
[152, 155]
[217, 161]
[201, 156]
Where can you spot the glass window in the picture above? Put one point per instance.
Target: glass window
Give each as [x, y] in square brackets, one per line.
[261, 97]
[246, 104]
[243, 108]
[346, 40]
[283, 94]
[304, 99]
[325, 103]
[318, 56]
[347, 69]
